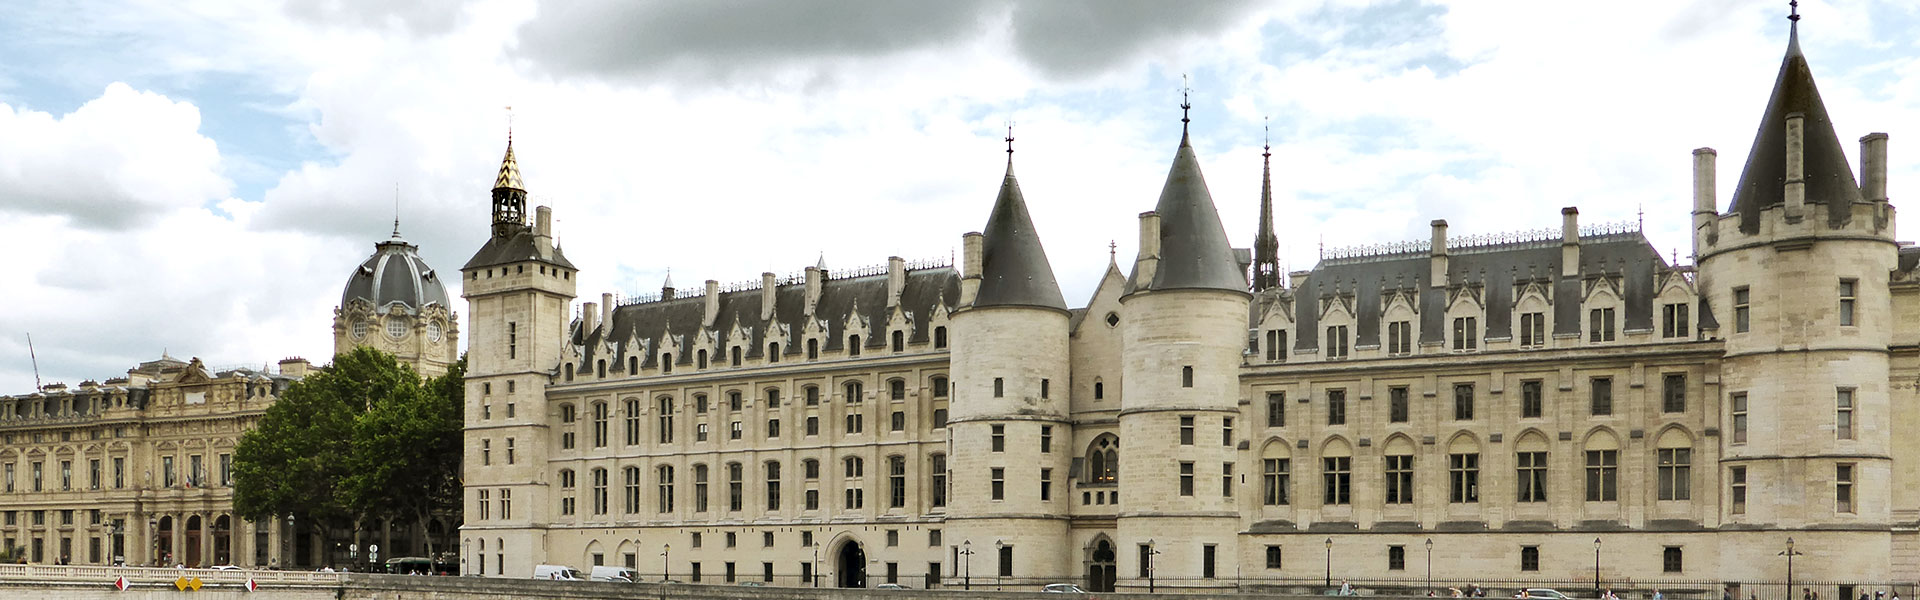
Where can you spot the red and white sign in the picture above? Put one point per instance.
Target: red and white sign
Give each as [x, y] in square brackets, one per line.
[251, 586]
[121, 584]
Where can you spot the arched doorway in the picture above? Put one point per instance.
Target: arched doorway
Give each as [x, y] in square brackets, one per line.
[223, 540]
[1100, 570]
[850, 570]
[163, 542]
[192, 555]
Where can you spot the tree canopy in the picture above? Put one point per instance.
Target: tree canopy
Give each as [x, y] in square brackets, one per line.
[362, 438]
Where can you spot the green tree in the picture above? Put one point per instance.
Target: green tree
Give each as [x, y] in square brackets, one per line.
[406, 454]
[362, 438]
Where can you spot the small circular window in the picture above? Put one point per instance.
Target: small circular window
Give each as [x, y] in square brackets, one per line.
[1113, 319]
[433, 330]
[359, 328]
[396, 327]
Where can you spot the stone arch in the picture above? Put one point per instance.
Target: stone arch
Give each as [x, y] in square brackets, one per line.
[839, 545]
[1463, 442]
[1336, 446]
[1103, 458]
[1098, 557]
[1276, 447]
[1600, 438]
[1674, 435]
[593, 547]
[1397, 444]
[1530, 440]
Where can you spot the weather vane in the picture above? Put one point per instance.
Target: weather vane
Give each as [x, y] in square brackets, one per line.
[1266, 146]
[1794, 8]
[1184, 103]
[509, 123]
[1009, 140]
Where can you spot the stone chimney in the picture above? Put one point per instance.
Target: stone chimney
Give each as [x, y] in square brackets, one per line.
[1148, 263]
[543, 224]
[295, 367]
[972, 244]
[896, 279]
[589, 318]
[1297, 279]
[606, 310]
[1796, 166]
[1873, 167]
[1570, 242]
[1437, 263]
[710, 313]
[767, 291]
[814, 277]
[1705, 198]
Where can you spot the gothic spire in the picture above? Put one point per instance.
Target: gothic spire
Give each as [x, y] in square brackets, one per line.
[1829, 178]
[1266, 245]
[1014, 270]
[1194, 252]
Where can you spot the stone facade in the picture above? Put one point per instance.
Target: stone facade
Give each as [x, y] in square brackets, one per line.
[135, 469]
[1512, 407]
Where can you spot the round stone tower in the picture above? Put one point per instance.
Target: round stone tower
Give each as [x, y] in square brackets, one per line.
[1009, 423]
[1184, 319]
[1796, 276]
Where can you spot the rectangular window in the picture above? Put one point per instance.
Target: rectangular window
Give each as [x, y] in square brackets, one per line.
[1673, 393]
[999, 387]
[1843, 414]
[1603, 475]
[1463, 472]
[1601, 391]
[1671, 560]
[813, 428]
[1046, 388]
[1739, 409]
[1466, 333]
[1226, 480]
[1186, 478]
[1276, 409]
[1046, 438]
[1339, 479]
[999, 438]
[1226, 431]
[773, 487]
[999, 483]
[93, 472]
[1396, 558]
[1847, 289]
[1336, 407]
[735, 430]
[773, 428]
[897, 421]
[1600, 325]
[856, 423]
[1337, 342]
[1006, 561]
[1675, 473]
[1737, 487]
[1532, 468]
[1273, 557]
[1529, 558]
[1146, 560]
[1742, 310]
[1186, 430]
[736, 483]
[1400, 479]
[1531, 403]
[1273, 481]
[1463, 402]
[1400, 338]
[1843, 487]
[1397, 408]
[1673, 321]
[938, 474]
[1533, 329]
[1207, 553]
[1046, 485]
[896, 482]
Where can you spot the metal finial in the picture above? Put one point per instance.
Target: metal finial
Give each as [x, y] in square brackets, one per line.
[396, 210]
[1009, 140]
[1266, 147]
[1113, 251]
[509, 125]
[1185, 104]
[1794, 10]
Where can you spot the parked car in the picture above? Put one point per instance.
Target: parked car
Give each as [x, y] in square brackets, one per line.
[607, 573]
[891, 586]
[752, 584]
[226, 568]
[1545, 594]
[558, 573]
[1062, 588]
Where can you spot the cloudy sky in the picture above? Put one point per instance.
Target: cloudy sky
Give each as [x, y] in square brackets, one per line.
[200, 177]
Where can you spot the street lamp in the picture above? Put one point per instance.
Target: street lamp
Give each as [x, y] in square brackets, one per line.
[1329, 562]
[966, 549]
[1000, 554]
[1789, 553]
[1596, 567]
[1151, 552]
[666, 562]
[816, 564]
[1429, 565]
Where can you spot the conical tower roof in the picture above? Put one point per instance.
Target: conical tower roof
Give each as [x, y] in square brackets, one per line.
[1829, 178]
[1194, 253]
[509, 178]
[1014, 267]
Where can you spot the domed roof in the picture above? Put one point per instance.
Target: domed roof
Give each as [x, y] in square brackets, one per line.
[395, 273]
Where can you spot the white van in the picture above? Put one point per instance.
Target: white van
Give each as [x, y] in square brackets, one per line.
[620, 574]
[557, 573]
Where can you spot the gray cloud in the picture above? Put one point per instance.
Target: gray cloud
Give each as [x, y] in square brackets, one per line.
[727, 39]
[419, 17]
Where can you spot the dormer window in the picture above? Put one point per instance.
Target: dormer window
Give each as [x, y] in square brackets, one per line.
[396, 327]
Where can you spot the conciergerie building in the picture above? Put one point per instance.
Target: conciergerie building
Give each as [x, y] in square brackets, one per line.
[1525, 403]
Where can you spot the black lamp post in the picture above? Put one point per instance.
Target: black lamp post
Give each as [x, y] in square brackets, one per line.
[666, 562]
[1329, 562]
[1789, 553]
[1596, 567]
[816, 565]
[966, 549]
[1429, 565]
[1151, 552]
[1000, 555]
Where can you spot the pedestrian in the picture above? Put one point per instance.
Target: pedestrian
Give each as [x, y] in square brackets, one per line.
[1657, 596]
[1806, 593]
[1346, 589]
[1726, 593]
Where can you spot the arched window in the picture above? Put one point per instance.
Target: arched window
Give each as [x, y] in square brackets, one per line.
[665, 484]
[569, 371]
[631, 479]
[899, 340]
[939, 385]
[853, 345]
[633, 366]
[896, 481]
[699, 488]
[664, 413]
[773, 352]
[633, 425]
[937, 473]
[736, 482]
[701, 359]
[854, 392]
[599, 424]
[666, 363]
[736, 356]
[599, 491]
[1103, 459]
[897, 389]
[940, 337]
[1099, 389]
[600, 368]
[813, 349]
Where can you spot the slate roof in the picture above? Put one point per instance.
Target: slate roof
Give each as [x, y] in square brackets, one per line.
[1194, 252]
[679, 319]
[509, 177]
[396, 273]
[1495, 269]
[515, 248]
[1829, 178]
[1014, 269]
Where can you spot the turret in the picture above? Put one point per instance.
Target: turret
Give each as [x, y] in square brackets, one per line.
[1010, 405]
[1183, 323]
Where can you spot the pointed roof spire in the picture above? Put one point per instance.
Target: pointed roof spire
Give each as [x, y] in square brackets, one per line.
[668, 284]
[1014, 270]
[1266, 245]
[1194, 252]
[1829, 178]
